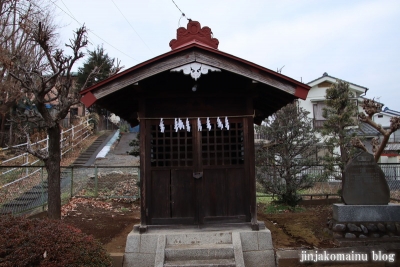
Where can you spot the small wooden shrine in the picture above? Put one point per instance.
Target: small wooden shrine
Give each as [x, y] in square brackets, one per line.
[196, 107]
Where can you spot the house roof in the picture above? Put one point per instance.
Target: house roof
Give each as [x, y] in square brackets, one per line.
[366, 130]
[363, 97]
[392, 146]
[391, 112]
[199, 46]
[329, 78]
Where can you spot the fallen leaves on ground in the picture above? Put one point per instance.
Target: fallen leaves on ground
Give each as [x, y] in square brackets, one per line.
[74, 202]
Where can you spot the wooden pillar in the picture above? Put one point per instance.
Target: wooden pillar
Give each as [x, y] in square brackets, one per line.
[143, 173]
[251, 164]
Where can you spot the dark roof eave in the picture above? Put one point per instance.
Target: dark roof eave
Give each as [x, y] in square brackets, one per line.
[301, 88]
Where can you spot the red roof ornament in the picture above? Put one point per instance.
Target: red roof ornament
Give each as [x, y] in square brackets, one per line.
[194, 34]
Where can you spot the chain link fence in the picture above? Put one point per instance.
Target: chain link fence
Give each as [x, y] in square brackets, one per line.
[327, 182]
[392, 174]
[23, 189]
[21, 193]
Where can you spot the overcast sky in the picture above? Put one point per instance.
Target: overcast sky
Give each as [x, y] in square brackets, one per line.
[357, 41]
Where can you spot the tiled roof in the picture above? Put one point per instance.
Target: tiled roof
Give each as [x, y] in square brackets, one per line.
[365, 129]
[391, 111]
[392, 146]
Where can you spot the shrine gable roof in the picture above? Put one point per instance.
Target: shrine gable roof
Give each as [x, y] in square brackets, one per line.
[196, 45]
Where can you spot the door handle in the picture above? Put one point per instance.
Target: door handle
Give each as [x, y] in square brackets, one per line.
[197, 175]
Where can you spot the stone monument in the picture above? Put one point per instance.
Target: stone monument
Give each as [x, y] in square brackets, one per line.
[366, 212]
[365, 182]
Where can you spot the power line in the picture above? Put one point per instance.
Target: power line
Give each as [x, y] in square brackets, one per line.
[93, 32]
[183, 14]
[65, 12]
[132, 27]
[72, 15]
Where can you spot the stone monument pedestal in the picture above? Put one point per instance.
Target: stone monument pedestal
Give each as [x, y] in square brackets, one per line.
[366, 213]
[366, 223]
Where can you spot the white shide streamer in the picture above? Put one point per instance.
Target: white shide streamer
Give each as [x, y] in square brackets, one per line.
[180, 124]
[187, 125]
[208, 124]
[176, 125]
[162, 127]
[199, 125]
[219, 123]
[226, 123]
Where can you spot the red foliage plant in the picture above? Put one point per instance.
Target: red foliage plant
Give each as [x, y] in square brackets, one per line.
[34, 242]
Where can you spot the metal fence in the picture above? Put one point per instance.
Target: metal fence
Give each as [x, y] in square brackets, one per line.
[69, 139]
[20, 194]
[25, 189]
[326, 181]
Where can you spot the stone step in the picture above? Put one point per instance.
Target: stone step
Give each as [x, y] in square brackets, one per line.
[85, 156]
[17, 204]
[39, 187]
[36, 192]
[199, 252]
[27, 197]
[200, 238]
[201, 263]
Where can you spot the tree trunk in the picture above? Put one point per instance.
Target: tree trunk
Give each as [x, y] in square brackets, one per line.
[53, 171]
[10, 138]
[3, 123]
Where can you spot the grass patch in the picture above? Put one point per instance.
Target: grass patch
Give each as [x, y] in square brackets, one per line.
[281, 208]
[263, 198]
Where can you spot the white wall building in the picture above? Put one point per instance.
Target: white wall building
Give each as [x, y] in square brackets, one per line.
[316, 96]
[315, 104]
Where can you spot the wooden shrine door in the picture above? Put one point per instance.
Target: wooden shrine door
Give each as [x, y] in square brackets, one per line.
[197, 177]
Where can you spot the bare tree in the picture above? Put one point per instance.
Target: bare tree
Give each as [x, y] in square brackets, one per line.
[17, 18]
[49, 82]
[372, 107]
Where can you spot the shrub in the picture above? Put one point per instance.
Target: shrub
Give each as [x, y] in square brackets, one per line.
[136, 146]
[34, 242]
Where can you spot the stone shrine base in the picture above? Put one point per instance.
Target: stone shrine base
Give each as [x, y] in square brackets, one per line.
[209, 245]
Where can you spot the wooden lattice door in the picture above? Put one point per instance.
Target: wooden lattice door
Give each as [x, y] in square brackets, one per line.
[196, 176]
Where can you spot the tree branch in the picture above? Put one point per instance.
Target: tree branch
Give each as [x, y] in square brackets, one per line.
[356, 142]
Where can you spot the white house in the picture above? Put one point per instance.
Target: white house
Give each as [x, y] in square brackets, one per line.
[315, 104]
[316, 96]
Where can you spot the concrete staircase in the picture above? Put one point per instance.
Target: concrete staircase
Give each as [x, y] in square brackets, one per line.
[208, 249]
[88, 157]
[36, 196]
